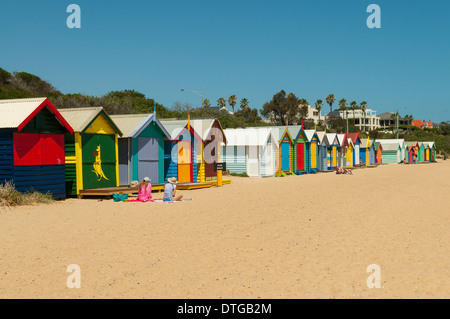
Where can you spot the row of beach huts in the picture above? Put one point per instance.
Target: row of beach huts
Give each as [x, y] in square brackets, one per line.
[280, 150]
[63, 151]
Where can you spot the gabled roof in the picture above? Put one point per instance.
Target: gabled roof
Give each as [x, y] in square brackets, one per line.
[354, 137]
[390, 146]
[431, 144]
[342, 138]
[249, 136]
[414, 144]
[378, 145]
[365, 143]
[294, 131]
[399, 141]
[310, 135]
[332, 138]
[202, 128]
[81, 117]
[321, 136]
[18, 113]
[279, 132]
[350, 142]
[133, 124]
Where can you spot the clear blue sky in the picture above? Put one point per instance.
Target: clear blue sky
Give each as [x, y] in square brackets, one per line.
[251, 48]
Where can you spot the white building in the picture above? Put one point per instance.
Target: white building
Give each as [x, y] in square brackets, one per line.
[368, 121]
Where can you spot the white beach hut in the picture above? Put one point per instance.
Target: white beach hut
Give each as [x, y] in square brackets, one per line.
[393, 150]
[251, 151]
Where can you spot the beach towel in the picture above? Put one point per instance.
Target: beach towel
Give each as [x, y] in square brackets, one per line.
[120, 197]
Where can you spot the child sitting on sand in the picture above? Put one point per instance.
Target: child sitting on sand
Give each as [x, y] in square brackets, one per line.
[145, 190]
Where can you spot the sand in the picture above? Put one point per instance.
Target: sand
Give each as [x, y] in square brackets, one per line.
[295, 237]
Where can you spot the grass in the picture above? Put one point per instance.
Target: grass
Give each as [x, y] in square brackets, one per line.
[9, 196]
[240, 175]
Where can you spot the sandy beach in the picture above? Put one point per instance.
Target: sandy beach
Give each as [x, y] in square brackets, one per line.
[309, 236]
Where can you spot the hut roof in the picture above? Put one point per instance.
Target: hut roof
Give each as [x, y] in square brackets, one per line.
[342, 139]
[201, 127]
[310, 134]
[294, 130]
[81, 117]
[17, 113]
[249, 136]
[332, 137]
[321, 136]
[354, 137]
[390, 146]
[133, 124]
[411, 144]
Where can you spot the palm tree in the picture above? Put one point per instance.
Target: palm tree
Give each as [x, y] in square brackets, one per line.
[318, 106]
[232, 101]
[353, 107]
[363, 107]
[221, 102]
[393, 117]
[330, 100]
[244, 103]
[206, 103]
[343, 107]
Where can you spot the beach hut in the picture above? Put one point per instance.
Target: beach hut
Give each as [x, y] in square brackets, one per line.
[350, 153]
[193, 150]
[333, 151]
[92, 151]
[364, 152]
[392, 151]
[378, 153]
[342, 154]
[323, 151]
[299, 148]
[412, 152]
[421, 152]
[356, 148]
[426, 157]
[32, 154]
[141, 148]
[285, 153]
[312, 150]
[372, 153]
[251, 151]
[432, 146]
[400, 142]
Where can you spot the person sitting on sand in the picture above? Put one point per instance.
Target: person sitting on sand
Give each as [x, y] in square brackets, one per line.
[145, 190]
[341, 170]
[170, 190]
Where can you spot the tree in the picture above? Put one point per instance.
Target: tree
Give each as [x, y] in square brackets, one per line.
[353, 107]
[363, 106]
[283, 108]
[206, 103]
[330, 100]
[232, 100]
[303, 107]
[244, 103]
[5, 76]
[318, 106]
[221, 102]
[343, 107]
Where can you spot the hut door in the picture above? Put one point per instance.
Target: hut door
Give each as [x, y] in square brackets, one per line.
[99, 161]
[313, 156]
[253, 162]
[269, 159]
[285, 157]
[349, 156]
[334, 157]
[148, 155]
[184, 161]
[357, 155]
[300, 156]
[123, 161]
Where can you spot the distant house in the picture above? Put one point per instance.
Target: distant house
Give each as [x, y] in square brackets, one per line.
[386, 121]
[368, 121]
[422, 124]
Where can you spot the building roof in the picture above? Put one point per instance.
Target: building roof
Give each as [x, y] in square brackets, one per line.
[81, 117]
[201, 127]
[365, 142]
[132, 125]
[411, 144]
[342, 139]
[321, 136]
[257, 136]
[332, 137]
[294, 130]
[354, 137]
[399, 141]
[390, 146]
[310, 134]
[17, 113]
